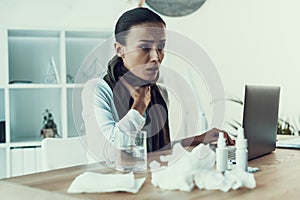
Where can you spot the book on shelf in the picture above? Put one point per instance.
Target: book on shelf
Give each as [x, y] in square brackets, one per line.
[19, 82]
[2, 131]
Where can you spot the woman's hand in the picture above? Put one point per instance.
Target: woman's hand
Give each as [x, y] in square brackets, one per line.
[141, 99]
[141, 96]
[213, 134]
[210, 136]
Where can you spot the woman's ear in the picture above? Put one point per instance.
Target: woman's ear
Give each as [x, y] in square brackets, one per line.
[119, 49]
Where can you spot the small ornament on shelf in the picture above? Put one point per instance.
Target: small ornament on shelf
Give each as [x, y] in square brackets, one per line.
[49, 127]
[70, 79]
[52, 73]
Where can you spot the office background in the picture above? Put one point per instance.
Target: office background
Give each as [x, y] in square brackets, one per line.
[255, 42]
[250, 42]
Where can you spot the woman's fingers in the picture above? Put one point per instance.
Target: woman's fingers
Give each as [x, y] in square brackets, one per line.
[213, 135]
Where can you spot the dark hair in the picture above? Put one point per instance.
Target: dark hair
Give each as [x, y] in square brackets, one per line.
[133, 17]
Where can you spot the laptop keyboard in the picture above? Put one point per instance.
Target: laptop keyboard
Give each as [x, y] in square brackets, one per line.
[231, 151]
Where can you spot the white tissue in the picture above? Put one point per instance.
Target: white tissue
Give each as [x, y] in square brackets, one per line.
[174, 177]
[176, 152]
[233, 179]
[179, 173]
[203, 157]
[185, 169]
[240, 178]
[90, 182]
[212, 180]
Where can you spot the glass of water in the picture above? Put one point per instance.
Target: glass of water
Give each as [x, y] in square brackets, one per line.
[131, 151]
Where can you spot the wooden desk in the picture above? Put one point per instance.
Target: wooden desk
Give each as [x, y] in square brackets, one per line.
[278, 178]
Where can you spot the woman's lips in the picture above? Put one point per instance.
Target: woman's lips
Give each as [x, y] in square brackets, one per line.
[152, 69]
[151, 72]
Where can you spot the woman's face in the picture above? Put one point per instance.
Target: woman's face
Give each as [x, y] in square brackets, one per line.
[143, 51]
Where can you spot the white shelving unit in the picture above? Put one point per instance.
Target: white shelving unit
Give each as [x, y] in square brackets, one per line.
[24, 95]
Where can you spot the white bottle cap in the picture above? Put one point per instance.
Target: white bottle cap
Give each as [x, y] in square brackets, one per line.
[241, 141]
[221, 140]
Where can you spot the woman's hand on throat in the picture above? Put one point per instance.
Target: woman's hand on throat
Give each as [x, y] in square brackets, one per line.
[141, 96]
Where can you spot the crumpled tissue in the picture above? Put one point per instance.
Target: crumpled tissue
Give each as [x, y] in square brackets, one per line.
[185, 169]
[90, 182]
[232, 179]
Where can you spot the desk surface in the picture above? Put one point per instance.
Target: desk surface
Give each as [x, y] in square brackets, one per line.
[278, 178]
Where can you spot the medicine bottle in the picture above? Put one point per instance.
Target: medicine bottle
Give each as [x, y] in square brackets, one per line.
[221, 154]
[241, 154]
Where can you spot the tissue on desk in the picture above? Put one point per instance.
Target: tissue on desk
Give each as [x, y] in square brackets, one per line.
[233, 179]
[90, 182]
[182, 166]
[241, 178]
[185, 169]
[212, 180]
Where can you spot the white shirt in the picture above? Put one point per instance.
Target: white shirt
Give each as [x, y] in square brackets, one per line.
[101, 118]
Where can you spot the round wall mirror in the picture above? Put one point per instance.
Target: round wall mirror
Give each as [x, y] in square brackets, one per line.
[175, 8]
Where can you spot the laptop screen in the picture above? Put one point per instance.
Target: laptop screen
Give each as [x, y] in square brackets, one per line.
[260, 118]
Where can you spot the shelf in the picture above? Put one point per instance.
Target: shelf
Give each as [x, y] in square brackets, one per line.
[33, 86]
[89, 34]
[28, 143]
[75, 85]
[29, 54]
[2, 105]
[75, 121]
[26, 120]
[19, 33]
[41, 85]
[3, 145]
[2, 117]
[3, 58]
[77, 50]
[3, 163]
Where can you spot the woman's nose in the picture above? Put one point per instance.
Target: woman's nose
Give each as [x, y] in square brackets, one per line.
[154, 54]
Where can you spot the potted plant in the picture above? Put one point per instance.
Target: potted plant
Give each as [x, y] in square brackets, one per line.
[285, 127]
[49, 128]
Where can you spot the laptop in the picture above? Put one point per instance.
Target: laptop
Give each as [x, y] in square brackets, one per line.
[289, 144]
[261, 104]
[260, 116]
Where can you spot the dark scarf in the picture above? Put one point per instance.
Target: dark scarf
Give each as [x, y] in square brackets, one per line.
[157, 122]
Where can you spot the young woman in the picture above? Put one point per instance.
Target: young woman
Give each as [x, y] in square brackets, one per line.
[128, 97]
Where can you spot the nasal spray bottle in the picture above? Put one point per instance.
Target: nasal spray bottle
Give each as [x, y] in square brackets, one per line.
[222, 154]
[241, 154]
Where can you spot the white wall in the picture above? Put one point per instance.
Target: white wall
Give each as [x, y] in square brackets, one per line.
[62, 13]
[253, 41]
